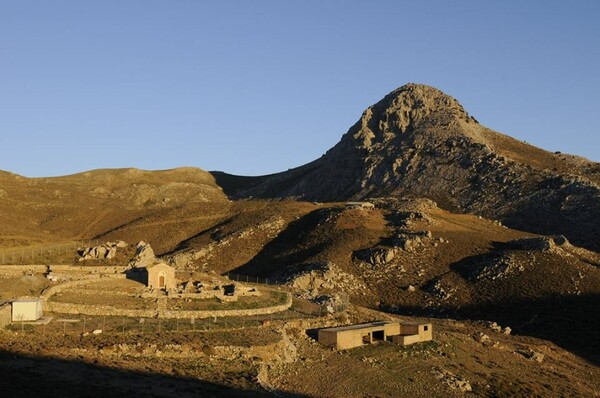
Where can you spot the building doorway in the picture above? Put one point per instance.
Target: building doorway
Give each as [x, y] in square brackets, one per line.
[378, 335]
[161, 282]
[366, 338]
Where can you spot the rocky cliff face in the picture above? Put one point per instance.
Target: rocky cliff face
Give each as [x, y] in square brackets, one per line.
[418, 141]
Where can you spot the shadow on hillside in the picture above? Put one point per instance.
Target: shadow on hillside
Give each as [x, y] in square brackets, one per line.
[233, 185]
[571, 322]
[139, 274]
[29, 376]
[270, 259]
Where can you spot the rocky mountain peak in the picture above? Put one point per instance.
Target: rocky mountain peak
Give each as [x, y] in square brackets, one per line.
[404, 111]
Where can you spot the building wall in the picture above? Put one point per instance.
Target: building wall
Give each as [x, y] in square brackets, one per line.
[350, 338]
[409, 329]
[426, 335]
[154, 274]
[328, 338]
[391, 329]
[414, 333]
[406, 339]
[26, 310]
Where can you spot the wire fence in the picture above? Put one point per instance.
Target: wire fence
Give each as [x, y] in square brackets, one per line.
[62, 324]
[64, 252]
[251, 279]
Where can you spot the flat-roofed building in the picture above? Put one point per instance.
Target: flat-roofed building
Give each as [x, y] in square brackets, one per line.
[26, 310]
[345, 337]
[351, 336]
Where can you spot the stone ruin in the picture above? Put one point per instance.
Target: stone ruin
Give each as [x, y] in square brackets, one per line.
[105, 251]
[209, 287]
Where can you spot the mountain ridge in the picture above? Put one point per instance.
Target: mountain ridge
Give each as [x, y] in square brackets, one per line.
[418, 141]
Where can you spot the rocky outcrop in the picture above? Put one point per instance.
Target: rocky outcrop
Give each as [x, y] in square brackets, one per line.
[538, 243]
[496, 266]
[144, 255]
[376, 256]
[105, 251]
[318, 279]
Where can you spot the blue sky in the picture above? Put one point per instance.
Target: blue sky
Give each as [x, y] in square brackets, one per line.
[255, 87]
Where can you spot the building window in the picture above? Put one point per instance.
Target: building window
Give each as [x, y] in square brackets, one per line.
[425, 328]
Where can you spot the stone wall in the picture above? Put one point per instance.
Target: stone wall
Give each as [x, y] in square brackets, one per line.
[223, 313]
[18, 270]
[52, 290]
[97, 310]
[89, 269]
[105, 310]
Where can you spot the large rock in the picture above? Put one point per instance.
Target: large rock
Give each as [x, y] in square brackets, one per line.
[144, 255]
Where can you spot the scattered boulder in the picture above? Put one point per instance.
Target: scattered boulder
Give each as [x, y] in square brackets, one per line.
[105, 251]
[451, 380]
[482, 337]
[532, 355]
[437, 289]
[333, 303]
[376, 256]
[496, 266]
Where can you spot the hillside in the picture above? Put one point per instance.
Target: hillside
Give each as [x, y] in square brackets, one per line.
[468, 223]
[418, 141]
[85, 205]
[408, 256]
